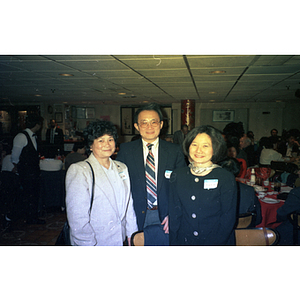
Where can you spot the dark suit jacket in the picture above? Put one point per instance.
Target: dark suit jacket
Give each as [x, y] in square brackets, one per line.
[249, 201]
[170, 158]
[292, 203]
[282, 148]
[58, 136]
[58, 142]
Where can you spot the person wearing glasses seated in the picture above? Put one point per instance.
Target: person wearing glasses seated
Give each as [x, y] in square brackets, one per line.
[150, 161]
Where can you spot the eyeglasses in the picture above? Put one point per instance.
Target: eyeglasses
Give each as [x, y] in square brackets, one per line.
[153, 123]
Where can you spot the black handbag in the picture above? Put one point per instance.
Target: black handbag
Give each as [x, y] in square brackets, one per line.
[64, 236]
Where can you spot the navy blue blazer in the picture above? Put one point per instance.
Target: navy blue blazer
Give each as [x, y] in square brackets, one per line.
[170, 157]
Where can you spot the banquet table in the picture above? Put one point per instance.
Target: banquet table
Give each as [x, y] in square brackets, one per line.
[52, 183]
[269, 202]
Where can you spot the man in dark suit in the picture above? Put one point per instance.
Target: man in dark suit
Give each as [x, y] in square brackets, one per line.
[285, 229]
[54, 140]
[180, 135]
[167, 157]
[286, 148]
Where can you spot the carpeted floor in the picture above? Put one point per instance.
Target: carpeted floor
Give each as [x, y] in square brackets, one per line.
[21, 234]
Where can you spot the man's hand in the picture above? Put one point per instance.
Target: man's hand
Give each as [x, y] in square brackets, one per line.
[165, 222]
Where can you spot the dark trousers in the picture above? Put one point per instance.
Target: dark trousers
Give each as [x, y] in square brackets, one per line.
[10, 188]
[30, 183]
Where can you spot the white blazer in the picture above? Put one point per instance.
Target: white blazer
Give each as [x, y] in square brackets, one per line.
[107, 225]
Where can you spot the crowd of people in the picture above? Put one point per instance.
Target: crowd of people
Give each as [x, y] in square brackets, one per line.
[181, 191]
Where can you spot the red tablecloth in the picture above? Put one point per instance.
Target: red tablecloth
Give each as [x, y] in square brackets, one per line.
[269, 214]
[268, 210]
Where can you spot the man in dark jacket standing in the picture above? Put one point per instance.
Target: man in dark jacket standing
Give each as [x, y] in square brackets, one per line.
[54, 140]
[151, 202]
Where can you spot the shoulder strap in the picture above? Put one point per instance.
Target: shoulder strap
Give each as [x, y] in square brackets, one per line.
[92, 197]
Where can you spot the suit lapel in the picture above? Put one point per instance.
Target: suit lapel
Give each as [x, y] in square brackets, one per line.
[162, 162]
[138, 161]
[126, 184]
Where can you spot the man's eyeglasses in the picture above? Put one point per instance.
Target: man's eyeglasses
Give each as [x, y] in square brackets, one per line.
[145, 124]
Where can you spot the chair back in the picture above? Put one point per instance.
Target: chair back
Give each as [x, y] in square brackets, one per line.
[137, 239]
[246, 220]
[256, 237]
[294, 218]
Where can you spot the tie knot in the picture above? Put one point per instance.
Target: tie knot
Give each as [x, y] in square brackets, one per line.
[149, 146]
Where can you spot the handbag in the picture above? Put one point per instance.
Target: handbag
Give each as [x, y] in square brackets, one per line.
[64, 236]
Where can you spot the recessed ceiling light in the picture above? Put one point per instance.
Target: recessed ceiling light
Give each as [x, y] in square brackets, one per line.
[212, 100]
[65, 74]
[211, 92]
[37, 95]
[217, 72]
[121, 93]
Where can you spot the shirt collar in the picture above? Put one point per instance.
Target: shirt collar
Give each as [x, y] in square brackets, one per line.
[29, 131]
[155, 143]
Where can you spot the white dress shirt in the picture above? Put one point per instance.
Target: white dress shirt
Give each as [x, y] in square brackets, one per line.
[20, 141]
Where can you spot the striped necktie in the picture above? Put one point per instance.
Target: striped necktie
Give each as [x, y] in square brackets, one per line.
[150, 178]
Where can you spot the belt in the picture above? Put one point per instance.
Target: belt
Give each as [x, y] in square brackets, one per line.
[155, 207]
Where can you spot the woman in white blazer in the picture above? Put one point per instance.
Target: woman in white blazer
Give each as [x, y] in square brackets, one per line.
[112, 217]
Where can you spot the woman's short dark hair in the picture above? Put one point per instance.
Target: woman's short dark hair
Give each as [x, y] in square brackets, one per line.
[97, 129]
[232, 165]
[150, 106]
[218, 142]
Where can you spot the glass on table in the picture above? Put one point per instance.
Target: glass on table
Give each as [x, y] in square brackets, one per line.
[277, 186]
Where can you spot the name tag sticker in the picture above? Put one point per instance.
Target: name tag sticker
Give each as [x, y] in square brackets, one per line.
[168, 174]
[122, 175]
[210, 184]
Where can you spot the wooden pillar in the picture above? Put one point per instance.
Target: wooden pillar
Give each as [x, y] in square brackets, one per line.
[188, 113]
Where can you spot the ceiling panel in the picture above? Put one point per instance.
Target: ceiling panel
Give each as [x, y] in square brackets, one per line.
[161, 78]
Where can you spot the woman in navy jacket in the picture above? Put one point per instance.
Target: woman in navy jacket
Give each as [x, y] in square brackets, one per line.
[203, 196]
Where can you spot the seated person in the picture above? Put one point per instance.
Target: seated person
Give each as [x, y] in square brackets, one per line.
[292, 203]
[275, 139]
[77, 154]
[291, 145]
[268, 153]
[248, 201]
[290, 175]
[232, 151]
[246, 145]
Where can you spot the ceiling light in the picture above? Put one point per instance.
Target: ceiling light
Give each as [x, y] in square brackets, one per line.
[212, 100]
[211, 92]
[121, 93]
[217, 72]
[37, 95]
[65, 74]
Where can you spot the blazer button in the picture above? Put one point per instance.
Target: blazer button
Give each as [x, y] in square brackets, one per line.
[143, 211]
[194, 216]
[195, 233]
